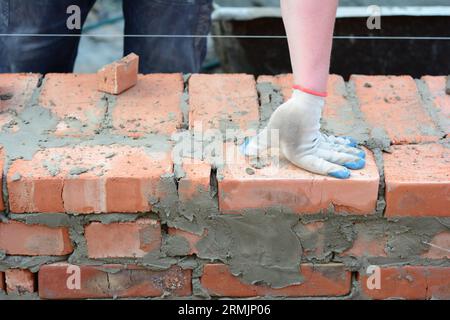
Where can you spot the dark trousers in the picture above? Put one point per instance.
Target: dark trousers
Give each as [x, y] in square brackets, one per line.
[142, 17]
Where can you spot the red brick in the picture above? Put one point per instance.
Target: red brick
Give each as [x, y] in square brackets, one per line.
[439, 247]
[19, 281]
[295, 189]
[437, 87]
[417, 181]
[128, 282]
[319, 280]
[117, 179]
[17, 238]
[191, 238]
[223, 101]
[2, 164]
[409, 282]
[119, 76]
[2, 281]
[152, 106]
[75, 101]
[20, 88]
[124, 239]
[393, 104]
[196, 180]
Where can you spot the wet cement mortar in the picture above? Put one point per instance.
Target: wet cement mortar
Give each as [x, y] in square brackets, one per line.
[264, 246]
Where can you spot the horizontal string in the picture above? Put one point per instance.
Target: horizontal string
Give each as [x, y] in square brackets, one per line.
[440, 38]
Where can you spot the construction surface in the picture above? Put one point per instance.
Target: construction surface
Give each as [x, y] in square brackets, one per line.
[135, 195]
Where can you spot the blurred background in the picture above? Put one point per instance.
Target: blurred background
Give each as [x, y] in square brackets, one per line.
[410, 19]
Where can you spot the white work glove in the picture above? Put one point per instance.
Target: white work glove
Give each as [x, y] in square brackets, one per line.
[302, 143]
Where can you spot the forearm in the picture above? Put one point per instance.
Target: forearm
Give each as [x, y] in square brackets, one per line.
[309, 26]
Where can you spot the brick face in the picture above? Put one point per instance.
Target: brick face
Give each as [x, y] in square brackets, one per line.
[151, 106]
[97, 282]
[409, 282]
[75, 101]
[223, 102]
[292, 188]
[319, 280]
[121, 240]
[418, 180]
[20, 281]
[17, 238]
[441, 100]
[393, 104]
[2, 164]
[97, 179]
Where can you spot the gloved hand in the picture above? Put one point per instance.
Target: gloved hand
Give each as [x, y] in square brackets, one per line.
[302, 143]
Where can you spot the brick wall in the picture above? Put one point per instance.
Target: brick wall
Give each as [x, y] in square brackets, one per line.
[129, 196]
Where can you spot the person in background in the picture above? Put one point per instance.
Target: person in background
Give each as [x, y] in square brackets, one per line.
[45, 54]
[309, 26]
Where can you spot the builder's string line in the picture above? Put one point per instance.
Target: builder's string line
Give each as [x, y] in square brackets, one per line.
[438, 38]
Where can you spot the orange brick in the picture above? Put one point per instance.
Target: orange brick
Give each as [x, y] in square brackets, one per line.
[88, 179]
[319, 280]
[2, 163]
[437, 87]
[2, 281]
[17, 238]
[191, 238]
[196, 180]
[97, 282]
[408, 282]
[124, 239]
[223, 101]
[294, 189]
[119, 76]
[19, 281]
[438, 247]
[417, 181]
[16, 91]
[393, 104]
[75, 101]
[152, 106]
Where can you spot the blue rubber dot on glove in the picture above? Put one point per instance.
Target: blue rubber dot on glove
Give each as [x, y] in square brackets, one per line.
[353, 143]
[341, 174]
[356, 165]
[362, 154]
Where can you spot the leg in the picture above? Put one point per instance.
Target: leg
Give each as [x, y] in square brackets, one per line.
[309, 26]
[39, 54]
[168, 17]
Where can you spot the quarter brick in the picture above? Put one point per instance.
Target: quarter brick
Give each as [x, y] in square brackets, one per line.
[19, 281]
[408, 282]
[393, 104]
[88, 179]
[110, 281]
[417, 180]
[119, 76]
[319, 280]
[124, 239]
[153, 105]
[75, 101]
[294, 189]
[223, 101]
[17, 238]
